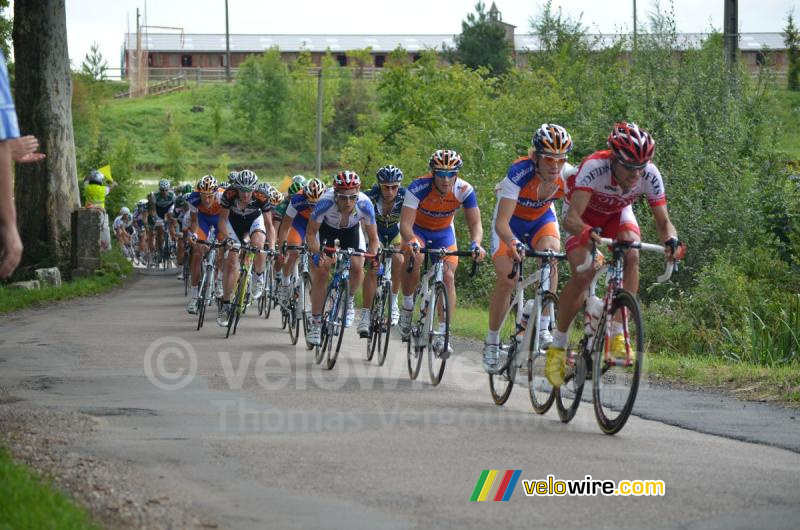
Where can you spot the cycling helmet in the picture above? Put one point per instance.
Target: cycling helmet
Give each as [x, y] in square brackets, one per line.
[294, 188]
[631, 145]
[95, 177]
[346, 180]
[264, 187]
[552, 139]
[245, 180]
[314, 189]
[232, 176]
[207, 184]
[299, 179]
[163, 185]
[275, 197]
[186, 188]
[124, 211]
[389, 175]
[142, 205]
[445, 159]
[180, 201]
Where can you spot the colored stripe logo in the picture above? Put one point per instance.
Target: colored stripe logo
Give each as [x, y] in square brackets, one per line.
[496, 485]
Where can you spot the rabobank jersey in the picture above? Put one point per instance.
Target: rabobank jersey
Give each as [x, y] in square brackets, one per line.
[523, 186]
[595, 176]
[326, 211]
[434, 211]
[299, 205]
[196, 203]
[393, 217]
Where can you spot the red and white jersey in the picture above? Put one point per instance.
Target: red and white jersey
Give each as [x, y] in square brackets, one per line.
[595, 176]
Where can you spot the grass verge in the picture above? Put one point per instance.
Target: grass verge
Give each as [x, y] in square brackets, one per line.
[26, 501]
[743, 380]
[105, 278]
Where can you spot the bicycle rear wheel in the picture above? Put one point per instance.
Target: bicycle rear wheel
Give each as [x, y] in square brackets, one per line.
[616, 374]
[437, 358]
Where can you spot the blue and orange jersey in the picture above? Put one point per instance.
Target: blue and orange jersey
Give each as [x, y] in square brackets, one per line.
[434, 211]
[522, 185]
[299, 205]
[196, 203]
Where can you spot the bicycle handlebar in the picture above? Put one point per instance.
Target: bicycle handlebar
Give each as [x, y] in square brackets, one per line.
[529, 253]
[671, 266]
[443, 252]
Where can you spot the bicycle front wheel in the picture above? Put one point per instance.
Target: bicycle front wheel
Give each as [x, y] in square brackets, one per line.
[375, 324]
[202, 296]
[617, 363]
[386, 324]
[438, 333]
[294, 322]
[337, 319]
[502, 383]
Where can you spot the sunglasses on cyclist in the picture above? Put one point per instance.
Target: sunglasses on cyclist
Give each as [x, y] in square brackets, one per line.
[445, 174]
[555, 160]
[632, 167]
[347, 197]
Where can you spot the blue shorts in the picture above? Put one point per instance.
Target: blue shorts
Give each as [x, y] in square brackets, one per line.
[300, 223]
[438, 239]
[205, 222]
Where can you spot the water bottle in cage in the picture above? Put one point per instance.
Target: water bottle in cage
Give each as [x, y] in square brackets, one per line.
[591, 316]
[526, 315]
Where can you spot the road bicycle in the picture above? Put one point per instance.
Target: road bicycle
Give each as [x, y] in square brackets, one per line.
[209, 270]
[380, 324]
[298, 309]
[520, 333]
[242, 294]
[430, 320]
[609, 349]
[334, 312]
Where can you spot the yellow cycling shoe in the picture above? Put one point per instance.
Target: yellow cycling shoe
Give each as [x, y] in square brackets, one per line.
[618, 349]
[554, 365]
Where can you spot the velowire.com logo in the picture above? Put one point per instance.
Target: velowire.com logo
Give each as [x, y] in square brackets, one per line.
[494, 485]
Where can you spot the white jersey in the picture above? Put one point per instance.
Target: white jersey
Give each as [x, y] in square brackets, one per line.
[119, 223]
[326, 211]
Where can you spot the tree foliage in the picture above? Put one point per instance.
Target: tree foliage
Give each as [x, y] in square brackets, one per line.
[261, 96]
[482, 43]
[94, 64]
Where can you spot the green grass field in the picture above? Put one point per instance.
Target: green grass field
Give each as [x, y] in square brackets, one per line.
[26, 501]
[789, 140]
[105, 279]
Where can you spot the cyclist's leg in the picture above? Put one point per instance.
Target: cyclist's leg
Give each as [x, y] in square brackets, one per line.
[319, 279]
[546, 237]
[258, 236]
[628, 230]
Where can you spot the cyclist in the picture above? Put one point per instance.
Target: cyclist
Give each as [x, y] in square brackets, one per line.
[427, 219]
[599, 203]
[292, 229]
[525, 215]
[123, 229]
[387, 198]
[339, 215]
[161, 203]
[140, 222]
[179, 220]
[243, 210]
[205, 206]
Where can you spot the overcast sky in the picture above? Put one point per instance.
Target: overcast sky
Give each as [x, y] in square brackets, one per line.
[106, 21]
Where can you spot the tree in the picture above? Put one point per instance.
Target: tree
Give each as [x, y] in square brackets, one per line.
[482, 42]
[47, 192]
[791, 37]
[261, 96]
[94, 64]
[6, 24]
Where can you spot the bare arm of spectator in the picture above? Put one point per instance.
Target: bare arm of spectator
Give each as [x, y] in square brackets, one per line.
[10, 243]
[23, 150]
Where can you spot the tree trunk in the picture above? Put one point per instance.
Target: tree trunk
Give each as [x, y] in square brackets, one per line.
[46, 192]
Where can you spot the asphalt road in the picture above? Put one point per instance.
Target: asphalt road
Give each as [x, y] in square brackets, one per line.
[260, 437]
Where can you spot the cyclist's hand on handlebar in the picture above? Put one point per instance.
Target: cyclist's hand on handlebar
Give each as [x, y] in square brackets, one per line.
[478, 252]
[675, 249]
[516, 248]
